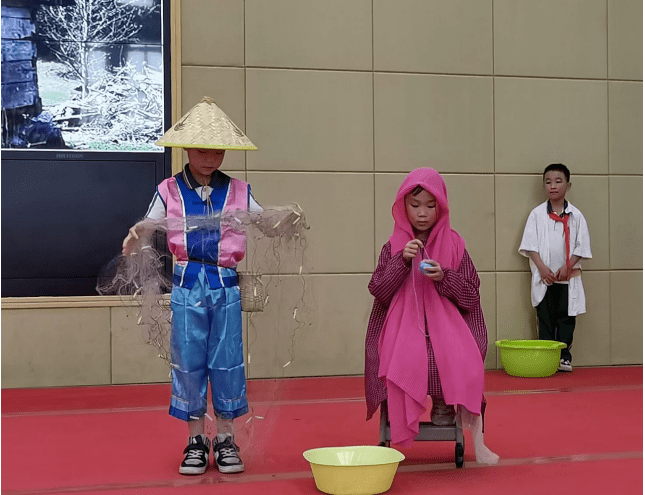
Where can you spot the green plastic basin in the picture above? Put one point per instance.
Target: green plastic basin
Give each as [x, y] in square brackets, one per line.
[530, 358]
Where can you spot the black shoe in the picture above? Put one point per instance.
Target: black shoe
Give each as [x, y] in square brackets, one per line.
[196, 455]
[565, 365]
[227, 457]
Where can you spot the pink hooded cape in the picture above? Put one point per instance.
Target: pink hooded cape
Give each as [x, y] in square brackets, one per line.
[417, 305]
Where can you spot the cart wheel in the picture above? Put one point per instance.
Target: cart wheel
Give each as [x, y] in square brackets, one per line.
[459, 455]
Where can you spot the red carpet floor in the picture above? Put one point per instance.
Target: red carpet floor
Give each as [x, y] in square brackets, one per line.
[579, 432]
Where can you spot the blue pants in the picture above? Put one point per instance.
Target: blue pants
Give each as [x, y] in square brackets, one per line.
[206, 344]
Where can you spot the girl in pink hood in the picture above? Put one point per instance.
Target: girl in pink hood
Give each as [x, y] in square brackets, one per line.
[426, 334]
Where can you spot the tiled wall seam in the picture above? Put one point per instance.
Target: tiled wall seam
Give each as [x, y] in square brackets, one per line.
[412, 73]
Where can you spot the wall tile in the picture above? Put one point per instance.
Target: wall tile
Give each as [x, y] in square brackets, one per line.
[625, 21]
[55, 347]
[340, 211]
[515, 314]
[626, 291]
[452, 37]
[625, 128]
[626, 222]
[472, 214]
[212, 32]
[515, 197]
[591, 339]
[385, 189]
[133, 360]
[226, 87]
[335, 34]
[331, 338]
[539, 121]
[310, 120]
[551, 38]
[442, 122]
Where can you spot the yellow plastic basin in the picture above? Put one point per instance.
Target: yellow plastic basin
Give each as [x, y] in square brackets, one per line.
[361, 470]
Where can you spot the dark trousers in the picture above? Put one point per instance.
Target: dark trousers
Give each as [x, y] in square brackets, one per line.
[554, 322]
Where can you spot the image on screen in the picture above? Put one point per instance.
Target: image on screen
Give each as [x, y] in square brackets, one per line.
[82, 75]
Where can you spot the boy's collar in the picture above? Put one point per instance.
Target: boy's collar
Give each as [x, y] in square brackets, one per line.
[193, 183]
[549, 208]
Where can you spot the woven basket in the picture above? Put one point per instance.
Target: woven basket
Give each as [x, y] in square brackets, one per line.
[251, 292]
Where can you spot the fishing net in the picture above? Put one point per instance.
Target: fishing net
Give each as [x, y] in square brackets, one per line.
[271, 280]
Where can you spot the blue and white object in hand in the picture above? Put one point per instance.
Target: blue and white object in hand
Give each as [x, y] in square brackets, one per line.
[425, 264]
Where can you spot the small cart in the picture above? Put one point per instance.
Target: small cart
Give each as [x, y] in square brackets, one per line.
[428, 432]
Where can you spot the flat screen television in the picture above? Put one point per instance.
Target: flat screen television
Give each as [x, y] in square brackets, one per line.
[81, 110]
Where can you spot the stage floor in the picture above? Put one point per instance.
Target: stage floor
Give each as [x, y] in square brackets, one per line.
[579, 432]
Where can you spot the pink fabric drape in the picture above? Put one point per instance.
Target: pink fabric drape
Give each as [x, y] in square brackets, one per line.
[417, 306]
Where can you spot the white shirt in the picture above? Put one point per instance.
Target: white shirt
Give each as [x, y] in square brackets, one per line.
[537, 238]
[557, 248]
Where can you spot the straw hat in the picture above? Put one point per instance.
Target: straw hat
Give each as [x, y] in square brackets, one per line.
[206, 126]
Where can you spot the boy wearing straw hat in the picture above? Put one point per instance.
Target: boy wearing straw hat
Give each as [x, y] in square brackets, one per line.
[206, 337]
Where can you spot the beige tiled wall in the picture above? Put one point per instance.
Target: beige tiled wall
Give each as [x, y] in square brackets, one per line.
[343, 98]
[309, 120]
[133, 360]
[625, 36]
[433, 36]
[540, 121]
[52, 347]
[551, 38]
[408, 133]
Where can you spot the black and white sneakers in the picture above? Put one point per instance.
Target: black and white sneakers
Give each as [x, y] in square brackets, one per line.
[565, 365]
[196, 455]
[225, 453]
[227, 457]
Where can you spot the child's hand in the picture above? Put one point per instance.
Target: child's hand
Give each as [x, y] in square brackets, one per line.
[547, 276]
[131, 240]
[562, 274]
[433, 270]
[411, 249]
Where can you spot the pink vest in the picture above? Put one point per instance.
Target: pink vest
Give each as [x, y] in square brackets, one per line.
[232, 245]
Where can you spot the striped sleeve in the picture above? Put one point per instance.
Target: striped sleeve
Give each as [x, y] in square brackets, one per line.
[462, 285]
[388, 276]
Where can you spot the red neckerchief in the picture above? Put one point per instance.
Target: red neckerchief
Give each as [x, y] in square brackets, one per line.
[565, 220]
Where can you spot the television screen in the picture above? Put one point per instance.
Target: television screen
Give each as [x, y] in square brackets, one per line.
[82, 74]
[63, 221]
[85, 95]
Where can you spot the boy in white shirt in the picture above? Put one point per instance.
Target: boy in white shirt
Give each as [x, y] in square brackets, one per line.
[555, 240]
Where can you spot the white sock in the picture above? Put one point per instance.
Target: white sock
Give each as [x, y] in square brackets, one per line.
[482, 453]
[224, 429]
